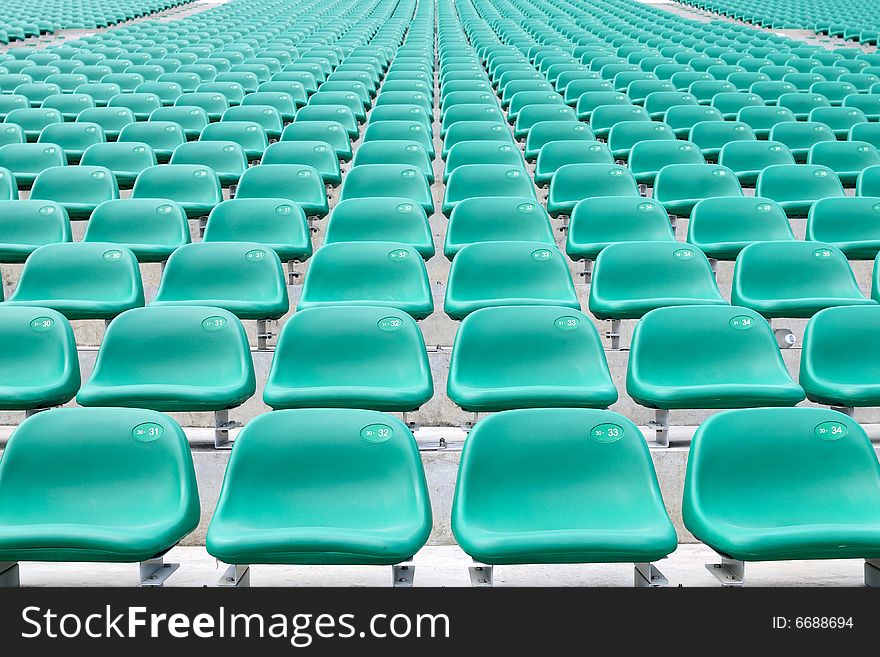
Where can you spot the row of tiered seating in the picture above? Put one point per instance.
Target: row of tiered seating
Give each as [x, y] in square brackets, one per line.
[353, 349]
[351, 490]
[845, 19]
[21, 20]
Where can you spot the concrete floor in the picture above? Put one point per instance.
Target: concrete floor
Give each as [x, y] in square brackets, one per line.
[447, 566]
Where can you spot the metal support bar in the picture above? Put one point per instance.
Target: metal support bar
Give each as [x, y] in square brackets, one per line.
[403, 574]
[107, 324]
[222, 425]
[660, 425]
[468, 425]
[643, 189]
[237, 576]
[872, 572]
[846, 410]
[587, 272]
[293, 272]
[203, 223]
[673, 221]
[33, 411]
[481, 574]
[9, 575]
[730, 572]
[647, 575]
[613, 334]
[264, 334]
[564, 218]
[154, 572]
[412, 425]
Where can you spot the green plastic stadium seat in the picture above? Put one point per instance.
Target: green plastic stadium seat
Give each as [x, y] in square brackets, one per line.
[162, 136]
[141, 104]
[574, 182]
[681, 118]
[195, 188]
[226, 158]
[679, 187]
[721, 227]
[780, 484]
[802, 103]
[78, 189]
[793, 279]
[125, 159]
[350, 490]
[486, 274]
[25, 161]
[69, 104]
[8, 187]
[748, 158]
[846, 158]
[496, 218]
[868, 183]
[839, 119]
[111, 119]
[548, 131]
[249, 135]
[647, 157]
[73, 138]
[381, 219]
[518, 500]
[317, 154]
[797, 187]
[800, 137]
[762, 119]
[480, 152]
[393, 151]
[528, 357]
[27, 225]
[711, 136]
[624, 135]
[604, 220]
[38, 361]
[850, 224]
[151, 228]
[483, 180]
[839, 359]
[192, 120]
[81, 281]
[96, 513]
[331, 132]
[727, 358]
[556, 154]
[399, 180]
[273, 222]
[630, 279]
[328, 358]
[190, 358]
[244, 278]
[32, 120]
[388, 273]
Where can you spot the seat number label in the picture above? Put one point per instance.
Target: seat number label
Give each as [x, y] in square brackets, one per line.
[607, 433]
[376, 433]
[148, 432]
[41, 324]
[831, 430]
